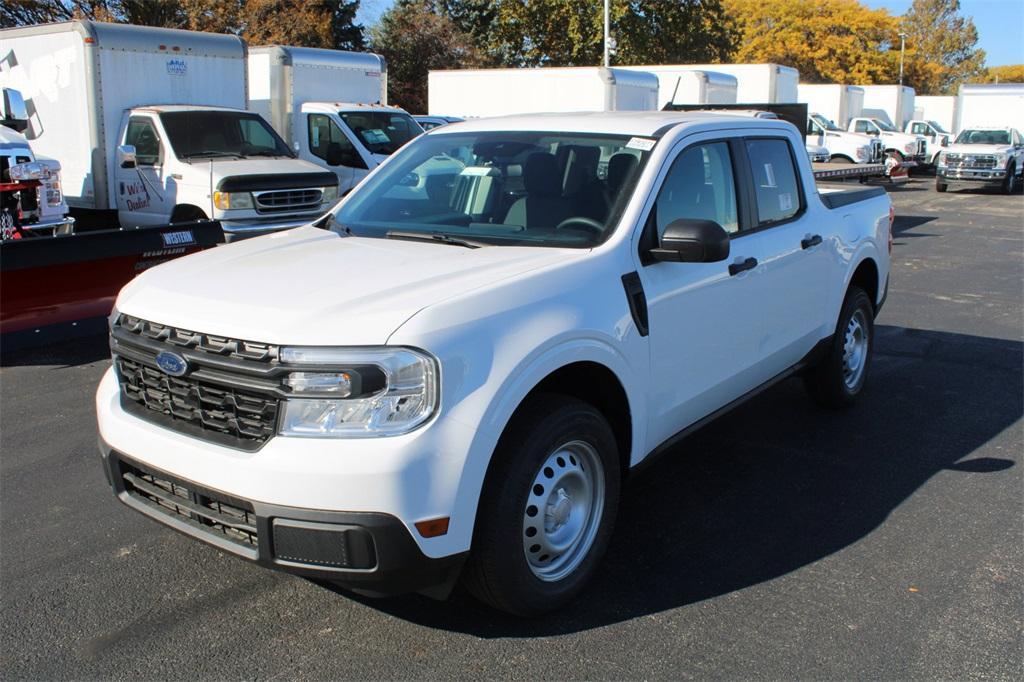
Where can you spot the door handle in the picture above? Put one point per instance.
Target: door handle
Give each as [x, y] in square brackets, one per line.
[737, 268]
[808, 242]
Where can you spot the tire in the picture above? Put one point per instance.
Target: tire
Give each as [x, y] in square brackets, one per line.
[940, 186]
[839, 378]
[187, 214]
[1010, 183]
[552, 438]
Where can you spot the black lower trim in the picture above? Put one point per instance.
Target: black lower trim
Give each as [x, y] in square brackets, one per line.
[264, 182]
[371, 553]
[812, 358]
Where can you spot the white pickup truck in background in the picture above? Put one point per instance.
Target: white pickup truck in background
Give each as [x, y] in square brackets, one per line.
[843, 146]
[905, 147]
[458, 383]
[982, 156]
[938, 137]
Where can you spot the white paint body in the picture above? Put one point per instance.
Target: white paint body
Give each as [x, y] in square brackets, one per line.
[999, 105]
[838, 103]
[759, 83]
[891, 103]
[499, 320]
[938, 108]
[841, 145]
[499, 92]
[910, 147]
[680, 84]
[52, 209]
[939, 138]
[83, 81]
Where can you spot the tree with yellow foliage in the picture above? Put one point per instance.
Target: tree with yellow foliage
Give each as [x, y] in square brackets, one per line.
[1011, 73]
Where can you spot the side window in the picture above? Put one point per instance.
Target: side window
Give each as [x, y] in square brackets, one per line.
[326, 141]
[775, 180]
[864, 127]
[919, 129]
[1014, 137]
[699, 184]
[142, 135]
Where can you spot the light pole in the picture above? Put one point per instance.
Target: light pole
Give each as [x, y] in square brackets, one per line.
[903, 40]
[606, 33]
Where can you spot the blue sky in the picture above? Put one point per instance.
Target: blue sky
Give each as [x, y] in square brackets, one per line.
[1000, 23]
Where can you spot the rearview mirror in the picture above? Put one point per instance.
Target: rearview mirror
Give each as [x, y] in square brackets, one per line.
[126, 156]
[690, 240]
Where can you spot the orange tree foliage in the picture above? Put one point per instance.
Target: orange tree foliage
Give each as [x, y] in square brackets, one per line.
[1011, 73]
[828, 41]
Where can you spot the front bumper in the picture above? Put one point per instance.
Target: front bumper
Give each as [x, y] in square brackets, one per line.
[993, 176]
[243, 228]
[62, 225]
[371, 553]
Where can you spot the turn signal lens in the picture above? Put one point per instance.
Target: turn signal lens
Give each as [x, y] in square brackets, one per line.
[432, 528]
[228, 200]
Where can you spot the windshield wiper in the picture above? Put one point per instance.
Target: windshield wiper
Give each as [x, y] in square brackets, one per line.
[212, 153]
[442, 237]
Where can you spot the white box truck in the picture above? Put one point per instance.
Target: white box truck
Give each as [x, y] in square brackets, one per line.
[939, 109]
[759, 83]
[498, 92]
[151, 123]
[894, 104]
[329, 106]
[837, 103]
[679, 84]
[990, 105]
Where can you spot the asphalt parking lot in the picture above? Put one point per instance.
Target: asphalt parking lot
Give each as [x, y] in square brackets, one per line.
[782, 541]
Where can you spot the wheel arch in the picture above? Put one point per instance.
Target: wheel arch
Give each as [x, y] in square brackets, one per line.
[866, 276]
[182, 211]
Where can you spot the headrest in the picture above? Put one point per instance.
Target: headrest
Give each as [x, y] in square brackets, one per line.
[620, 167]
[578, 167]
[540, 175]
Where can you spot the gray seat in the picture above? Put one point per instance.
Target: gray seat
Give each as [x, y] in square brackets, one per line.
[543, 206]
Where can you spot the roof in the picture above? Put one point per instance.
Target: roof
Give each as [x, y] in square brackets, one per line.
[638, 123]
[169, 108]
[313, 56]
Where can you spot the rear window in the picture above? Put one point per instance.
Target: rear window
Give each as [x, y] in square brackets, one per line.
[775, 180]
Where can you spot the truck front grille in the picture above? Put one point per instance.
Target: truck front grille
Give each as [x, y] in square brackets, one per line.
[278, 201]
[877, 151]
[232, 520]
[970, 161]
[922, 147]
[226, 395]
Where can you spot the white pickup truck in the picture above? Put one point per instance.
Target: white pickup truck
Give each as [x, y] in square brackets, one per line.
[843, 146]
[457, 384]
[913, 148]
[982, 156]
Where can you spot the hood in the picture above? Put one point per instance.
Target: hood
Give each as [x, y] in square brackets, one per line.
[979, 149]
[12, 139]
[311, 287]
[255, 166]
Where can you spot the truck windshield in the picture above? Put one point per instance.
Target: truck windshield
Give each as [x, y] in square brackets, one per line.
[499, 188]
[826, 123]
[382, 132]
[975, 136]
[938, 127]
[212, 134]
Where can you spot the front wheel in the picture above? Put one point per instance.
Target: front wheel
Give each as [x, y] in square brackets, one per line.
[940, 186]
[839, 377]
[1010, 184]
[548, 507]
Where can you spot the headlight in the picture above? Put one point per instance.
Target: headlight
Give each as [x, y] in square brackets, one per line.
[330, 193]
[357, 392]
[229, 200]
[1001, 160]
[942, 159]
[863, 152]
[29, 171]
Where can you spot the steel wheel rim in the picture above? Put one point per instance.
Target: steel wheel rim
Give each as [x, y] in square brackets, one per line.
[855, 350]
[563, 511]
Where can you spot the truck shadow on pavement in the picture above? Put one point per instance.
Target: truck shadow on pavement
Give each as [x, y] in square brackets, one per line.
[780, 484]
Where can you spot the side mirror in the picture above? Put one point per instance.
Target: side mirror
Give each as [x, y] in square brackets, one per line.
[689, 240]
[15, 113]
[338, 156]
[126, 156]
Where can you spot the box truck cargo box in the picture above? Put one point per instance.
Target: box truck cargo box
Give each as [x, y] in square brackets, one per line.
[684, 85]
[939, 109]
[999, 105]
[893, 104]
[838, 103]
[759, 83]
[497, 92]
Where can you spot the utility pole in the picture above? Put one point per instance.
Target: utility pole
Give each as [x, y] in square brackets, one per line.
[607, 36]
[903, 39]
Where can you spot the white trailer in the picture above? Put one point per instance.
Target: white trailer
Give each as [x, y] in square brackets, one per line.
[759, 83]
[680, 84]
[498, 92]
[837, 103]
[997, 105]
[894, 104]
[151, 122]
[938, 108]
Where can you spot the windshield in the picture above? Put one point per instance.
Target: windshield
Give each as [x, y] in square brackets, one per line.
[983, 137]
[938, 127]
[500, 188]
[382, 132]
[884, 126]
[826, 123]
[213, 134]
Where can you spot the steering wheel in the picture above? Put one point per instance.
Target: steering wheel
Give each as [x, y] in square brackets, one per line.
[588, 223]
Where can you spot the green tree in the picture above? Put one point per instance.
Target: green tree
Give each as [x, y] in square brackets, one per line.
[414, 38]
[939, 36]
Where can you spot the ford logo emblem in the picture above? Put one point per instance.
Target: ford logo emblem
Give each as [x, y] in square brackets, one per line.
[171, 363]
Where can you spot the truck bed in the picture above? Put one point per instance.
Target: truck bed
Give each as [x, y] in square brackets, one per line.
[836, 195]
[836, 171]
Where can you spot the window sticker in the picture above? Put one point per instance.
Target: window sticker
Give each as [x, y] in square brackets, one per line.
[769, 175]
[375, 136]
[785, 201]
[316, 135]
[645, 144]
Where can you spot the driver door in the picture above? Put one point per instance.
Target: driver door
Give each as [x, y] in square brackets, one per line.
[143, 195]
[332, 148]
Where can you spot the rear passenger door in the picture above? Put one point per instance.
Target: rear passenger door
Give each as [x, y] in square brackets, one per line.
[798, 259]
[704, 319]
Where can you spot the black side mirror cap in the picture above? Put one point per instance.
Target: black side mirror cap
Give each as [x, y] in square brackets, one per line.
[690, 240]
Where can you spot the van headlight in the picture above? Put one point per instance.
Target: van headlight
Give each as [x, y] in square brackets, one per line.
[231, 200]
[330, 194]
[357, 392]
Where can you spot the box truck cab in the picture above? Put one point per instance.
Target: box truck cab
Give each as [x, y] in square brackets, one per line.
[938, 137]
[95, 90]
[843, 147]
[905, 147]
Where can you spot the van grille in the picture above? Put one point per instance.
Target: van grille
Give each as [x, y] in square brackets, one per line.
[288, 200]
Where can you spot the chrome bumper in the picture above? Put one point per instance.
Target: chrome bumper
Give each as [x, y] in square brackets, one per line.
[245, 228]
[972, 174]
